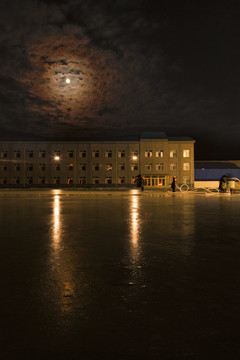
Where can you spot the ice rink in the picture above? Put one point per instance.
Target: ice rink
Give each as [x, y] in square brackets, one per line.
[119, 275]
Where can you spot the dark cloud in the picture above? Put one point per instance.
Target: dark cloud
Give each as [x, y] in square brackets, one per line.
[134, 65]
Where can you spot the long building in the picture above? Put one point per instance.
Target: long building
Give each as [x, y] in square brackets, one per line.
[98, 163]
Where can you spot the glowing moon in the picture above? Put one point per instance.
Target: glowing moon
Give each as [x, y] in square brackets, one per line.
[68, 81]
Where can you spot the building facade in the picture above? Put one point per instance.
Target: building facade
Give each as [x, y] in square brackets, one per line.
[98, 163]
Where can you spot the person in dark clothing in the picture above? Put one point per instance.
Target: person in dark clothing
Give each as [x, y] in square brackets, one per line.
[142, 183]
[223, 183]
[174, 184]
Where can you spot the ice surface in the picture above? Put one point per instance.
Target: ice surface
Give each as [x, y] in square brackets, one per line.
[119, 275]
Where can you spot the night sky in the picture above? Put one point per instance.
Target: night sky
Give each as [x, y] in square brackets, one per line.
[134, 66]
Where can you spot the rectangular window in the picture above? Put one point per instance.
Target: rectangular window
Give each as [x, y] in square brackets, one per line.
[108, 180]
[56, 180]
[82, 180]
[3, 180]
[134, 153]
[121, 180]
[83, 167]
[121, 167]
[56, 153]
[29, 180]
[57, 167]
[17, 154]
[42, 154]
[173, 166]
[95, 154]
[185, 153]
[186, 180]
[121, 153]
[70, 167]
[96, 167]
[4, 167]
[29, 167]
[70, 153]
[82, 154]
[173, 153]
[148, 167]
[42, 180]
[133, 180]
[17, 180]
[159, 153]
[108, 153]
[148, 153]
[17, 167]
[43, 167]
[186, 166]
[159, 167]
[95, 180]
[134, 167]
[30, 153]
[70, 180]
[3, 154]
[108, 167]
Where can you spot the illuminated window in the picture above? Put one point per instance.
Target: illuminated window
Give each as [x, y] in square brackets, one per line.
[42, 154]
[3, 154]
[82, 180]
[186, 166]
[108, 180]
[159, 153]
[83, 167]
[96, 167]
[108, 167]
[134, 167]
[108, 153]
[159, 167]
[17, 154]
[121, 153]
[133, 180]
[82, 154]
[185, 153]
[173, 166]
[173, 153]
[187, 180]
[148, 167]
[148, 153]
[69, 180]
[121, 167]
[95, 180]
[70, 153]
[95, 154]
[121, 180]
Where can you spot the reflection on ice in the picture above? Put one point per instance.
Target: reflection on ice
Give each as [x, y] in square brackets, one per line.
[56, 226]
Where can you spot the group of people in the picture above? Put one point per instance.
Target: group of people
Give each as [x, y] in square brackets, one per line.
[140, 182]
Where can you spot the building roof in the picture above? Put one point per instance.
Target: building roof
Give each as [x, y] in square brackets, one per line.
[215, 165]
[154, 135]
[180, 138]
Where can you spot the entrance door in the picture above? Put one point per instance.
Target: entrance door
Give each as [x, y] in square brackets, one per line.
[155, 181]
